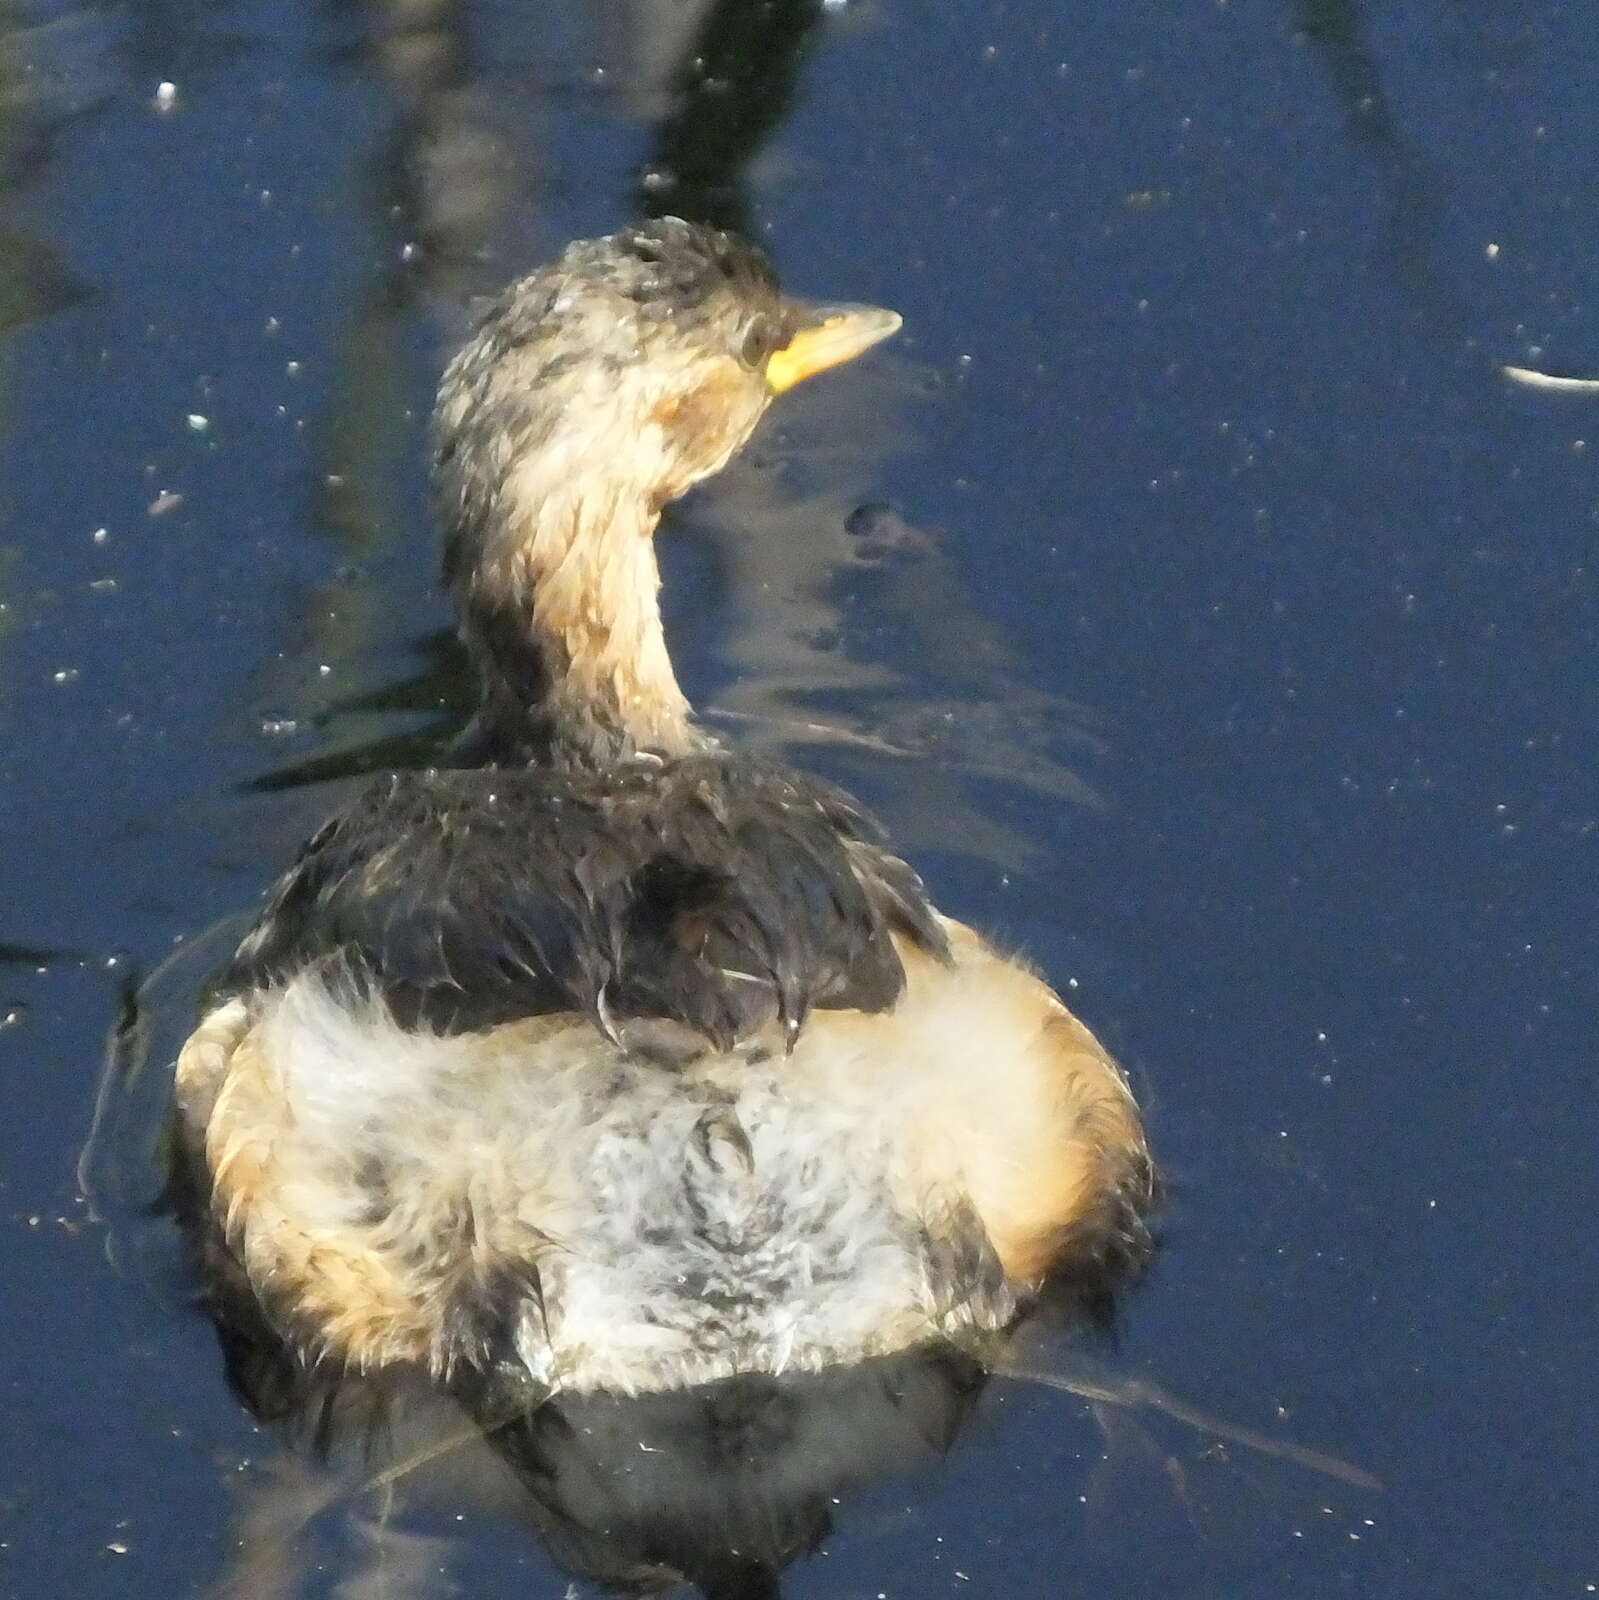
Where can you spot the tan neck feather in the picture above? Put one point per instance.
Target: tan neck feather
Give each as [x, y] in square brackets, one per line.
[584, 571]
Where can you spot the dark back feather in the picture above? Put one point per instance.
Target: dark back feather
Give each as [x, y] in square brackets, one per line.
[718, 890]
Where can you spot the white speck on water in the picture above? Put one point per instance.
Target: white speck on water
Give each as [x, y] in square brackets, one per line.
[100, 535]
[1490, 252]
[65, 675]
[1531, 378]
[279, 727]
[167, 500]
[104, 585]
[324, 670]
[197, 423]
[292, 368]
[165, 97]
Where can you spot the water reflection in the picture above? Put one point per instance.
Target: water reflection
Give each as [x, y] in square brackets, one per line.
[457, 155]
[722, 1486]
[1413, 209]
[52, 71]
[28, 955]
[727, 1486]
[729, 90]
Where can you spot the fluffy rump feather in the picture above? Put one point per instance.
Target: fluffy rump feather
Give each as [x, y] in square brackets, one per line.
[537, 1204]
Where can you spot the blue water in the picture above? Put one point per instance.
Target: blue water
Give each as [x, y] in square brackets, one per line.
[1187, 587]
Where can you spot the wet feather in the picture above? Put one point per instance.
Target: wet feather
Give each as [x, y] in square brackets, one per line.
[718, 890]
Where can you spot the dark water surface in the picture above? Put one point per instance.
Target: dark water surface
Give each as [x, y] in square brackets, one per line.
[1187, 587]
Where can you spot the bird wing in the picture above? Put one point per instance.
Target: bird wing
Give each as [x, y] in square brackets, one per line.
[718, 891]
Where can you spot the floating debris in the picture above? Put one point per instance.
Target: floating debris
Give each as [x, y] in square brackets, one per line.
[165, 98]
[1534, 379]
[167, 500]
[197, 423]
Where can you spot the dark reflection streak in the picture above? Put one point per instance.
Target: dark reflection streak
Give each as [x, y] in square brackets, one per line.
[399, 752]
[437, 185]
[181, 40]
[51, 74]
[445, 690]
[1335, 31]
[36, 60]
[443, 177]
[29, 955]
[733, 88]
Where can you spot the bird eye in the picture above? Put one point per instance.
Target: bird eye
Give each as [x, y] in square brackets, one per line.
[759, 342]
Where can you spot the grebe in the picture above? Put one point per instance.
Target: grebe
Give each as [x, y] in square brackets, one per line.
[611, 1059]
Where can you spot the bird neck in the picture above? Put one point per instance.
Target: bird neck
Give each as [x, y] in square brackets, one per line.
[562, 613]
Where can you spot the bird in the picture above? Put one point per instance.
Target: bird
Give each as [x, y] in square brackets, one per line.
[605, 1058]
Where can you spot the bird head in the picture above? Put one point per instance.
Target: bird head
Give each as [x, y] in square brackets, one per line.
[629, 369]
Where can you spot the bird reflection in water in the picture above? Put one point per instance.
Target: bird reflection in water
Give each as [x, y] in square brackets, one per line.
[721, 1486]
